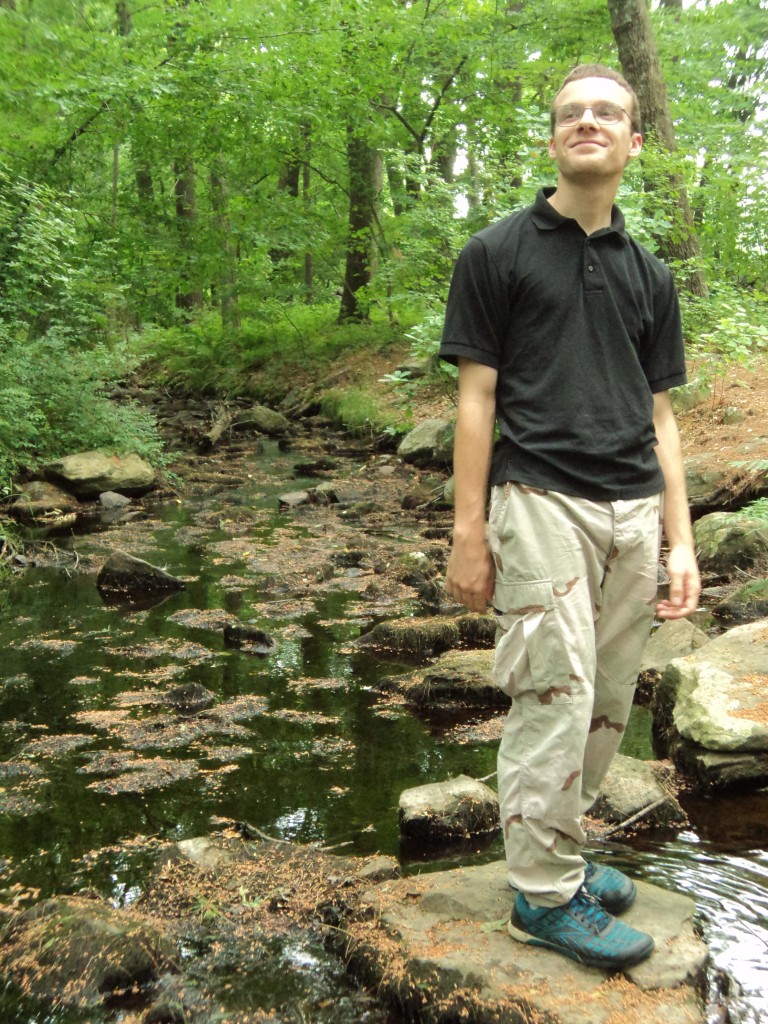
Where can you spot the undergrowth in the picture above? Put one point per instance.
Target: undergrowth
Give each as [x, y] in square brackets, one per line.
[56, 399]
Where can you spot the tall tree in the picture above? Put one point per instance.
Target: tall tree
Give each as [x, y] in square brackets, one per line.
[364, 165]
[639, 56]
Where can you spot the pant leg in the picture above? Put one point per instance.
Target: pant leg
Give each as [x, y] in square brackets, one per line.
[576, 585]
[627, 604]
[550, 553]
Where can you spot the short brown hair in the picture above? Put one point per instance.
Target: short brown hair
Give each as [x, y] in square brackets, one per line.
[599, 71]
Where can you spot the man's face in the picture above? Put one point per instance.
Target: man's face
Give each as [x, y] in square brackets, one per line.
[587, 149]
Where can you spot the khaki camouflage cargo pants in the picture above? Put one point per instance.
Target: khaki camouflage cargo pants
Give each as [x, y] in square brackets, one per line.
[574, 600]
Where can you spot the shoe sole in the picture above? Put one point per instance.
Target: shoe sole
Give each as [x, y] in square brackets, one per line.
[604, 963]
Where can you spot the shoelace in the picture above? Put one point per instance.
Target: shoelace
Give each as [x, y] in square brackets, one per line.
[587, 909]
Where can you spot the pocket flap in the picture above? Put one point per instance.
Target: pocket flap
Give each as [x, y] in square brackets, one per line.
[523, 598]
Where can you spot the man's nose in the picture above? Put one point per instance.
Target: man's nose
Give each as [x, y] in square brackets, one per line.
[591, 120]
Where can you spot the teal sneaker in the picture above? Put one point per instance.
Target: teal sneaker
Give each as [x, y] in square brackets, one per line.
[582, 930]
[611, 888]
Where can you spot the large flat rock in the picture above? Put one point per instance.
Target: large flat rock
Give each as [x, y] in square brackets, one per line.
[452, 926]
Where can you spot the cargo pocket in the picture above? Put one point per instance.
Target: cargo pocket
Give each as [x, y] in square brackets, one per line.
[528, 631]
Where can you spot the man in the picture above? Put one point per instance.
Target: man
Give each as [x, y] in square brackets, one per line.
[567, 334]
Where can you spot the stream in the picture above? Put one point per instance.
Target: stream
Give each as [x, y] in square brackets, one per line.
[306, 747]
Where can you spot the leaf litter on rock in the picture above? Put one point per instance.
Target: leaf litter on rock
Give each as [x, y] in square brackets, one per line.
[144, 774]
[179, 649]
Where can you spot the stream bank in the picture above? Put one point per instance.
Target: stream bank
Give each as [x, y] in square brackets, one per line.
[100, 770]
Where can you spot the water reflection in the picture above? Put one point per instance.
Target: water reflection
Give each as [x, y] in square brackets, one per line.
[323, 760]
[729, 885]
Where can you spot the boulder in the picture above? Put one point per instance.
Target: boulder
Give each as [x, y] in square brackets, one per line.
[379, 868]
[74, 951]
[88, 474]
[457, 676]
[707, 484]
[38, 499]
[447, 946]
[673, 639]
[730, 540]
[428, 444]
[745, 604]
[206, 854]
[440, 812]
[632, 788]
[414, 567]
[690, 396]
[124, 577]
[250, 638]
[713, 772]
[711, 707]
[264, 420]
[712, 485]
[420, 637]
[293, 499]
[190, 698]
[112, 500]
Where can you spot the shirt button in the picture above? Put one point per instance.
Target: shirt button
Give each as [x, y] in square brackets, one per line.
[590, 268]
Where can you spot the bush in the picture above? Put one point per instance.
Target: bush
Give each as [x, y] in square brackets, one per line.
[730, 326]
[55, 400]
[285, 340]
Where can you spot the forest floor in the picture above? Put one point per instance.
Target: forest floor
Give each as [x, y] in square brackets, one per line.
[732, 414]
[712, 429]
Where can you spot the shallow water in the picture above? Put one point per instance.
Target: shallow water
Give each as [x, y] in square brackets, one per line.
[321, 759]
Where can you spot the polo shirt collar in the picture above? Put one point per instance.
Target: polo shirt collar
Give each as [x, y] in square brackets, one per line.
[546, 217]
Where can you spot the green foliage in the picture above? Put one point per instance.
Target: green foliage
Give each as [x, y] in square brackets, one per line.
[757, 509]
[55, 399]
[287, 341]
[730, 326]
[187, 167]
[425, 340]
[44, 281]
[362, 414]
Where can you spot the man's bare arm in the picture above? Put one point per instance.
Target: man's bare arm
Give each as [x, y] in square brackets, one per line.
[684, 581]
[470, 573]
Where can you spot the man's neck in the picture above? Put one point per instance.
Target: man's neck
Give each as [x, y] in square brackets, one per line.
[589, 203]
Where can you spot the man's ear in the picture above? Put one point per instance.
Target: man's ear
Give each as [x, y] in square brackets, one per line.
[635, 144]
[552, 146]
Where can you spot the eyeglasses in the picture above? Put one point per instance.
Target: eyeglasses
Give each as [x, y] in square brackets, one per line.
[604, 113]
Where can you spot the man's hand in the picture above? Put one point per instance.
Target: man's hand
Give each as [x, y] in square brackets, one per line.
[470, 575]
[684, 584]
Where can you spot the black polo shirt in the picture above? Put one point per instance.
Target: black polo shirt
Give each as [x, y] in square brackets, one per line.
[582, 330]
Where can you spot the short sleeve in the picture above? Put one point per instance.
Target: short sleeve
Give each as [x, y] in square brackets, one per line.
[664, 353]
[476, 315]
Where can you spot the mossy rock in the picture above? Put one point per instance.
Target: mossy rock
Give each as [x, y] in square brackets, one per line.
[730, 540]
[72, 950]
[416, 637]
[748, 603]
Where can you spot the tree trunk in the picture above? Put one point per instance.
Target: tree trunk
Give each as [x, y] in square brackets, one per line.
[364, 174]
[444, 153]
[633, 31]
[187, 296]
[115, 185]
[289, 177]
[124, 18]
[145, 187]
[309, 266]
[230, 309]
